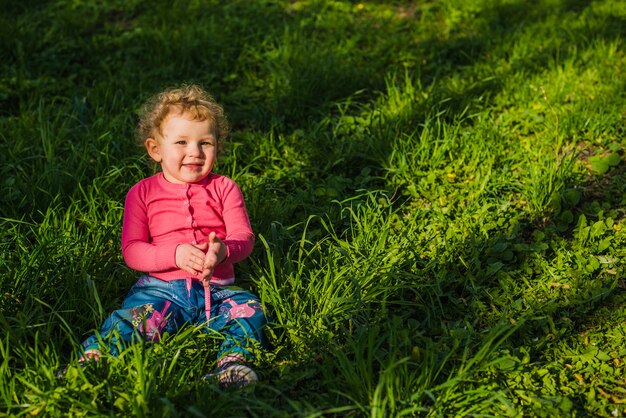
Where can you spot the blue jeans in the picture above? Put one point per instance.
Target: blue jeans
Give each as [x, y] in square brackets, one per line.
[154, 306]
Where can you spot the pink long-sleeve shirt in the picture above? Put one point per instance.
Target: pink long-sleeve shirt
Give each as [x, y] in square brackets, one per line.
[159, 216]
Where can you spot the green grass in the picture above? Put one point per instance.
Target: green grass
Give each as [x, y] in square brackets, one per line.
[437, 190]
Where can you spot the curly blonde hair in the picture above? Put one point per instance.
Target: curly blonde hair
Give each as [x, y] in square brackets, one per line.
[189, 99]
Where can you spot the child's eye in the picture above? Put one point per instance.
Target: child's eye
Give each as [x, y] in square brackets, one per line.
[207, 143]
[181, 142]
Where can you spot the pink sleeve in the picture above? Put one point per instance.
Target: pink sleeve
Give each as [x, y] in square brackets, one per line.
[138, 251]
[239, 236]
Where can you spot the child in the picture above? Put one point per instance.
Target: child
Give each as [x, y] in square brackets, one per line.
[186, 227]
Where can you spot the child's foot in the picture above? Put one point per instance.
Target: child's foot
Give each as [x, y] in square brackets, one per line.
[90, 355]
[233, 376]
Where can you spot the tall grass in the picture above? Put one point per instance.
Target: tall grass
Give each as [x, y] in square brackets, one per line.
[437, 190]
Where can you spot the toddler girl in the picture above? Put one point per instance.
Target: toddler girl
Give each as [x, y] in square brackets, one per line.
[185, 227]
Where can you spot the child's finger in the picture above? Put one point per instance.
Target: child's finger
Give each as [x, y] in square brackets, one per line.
[198, 257]
[196, 265]
[215, 246]
[206, 275]
[210, 260]
[190, 270]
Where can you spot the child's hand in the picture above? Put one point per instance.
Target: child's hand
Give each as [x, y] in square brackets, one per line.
[215, 254]
[191, 258]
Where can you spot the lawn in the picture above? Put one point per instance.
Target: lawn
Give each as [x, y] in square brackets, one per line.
[437, 189]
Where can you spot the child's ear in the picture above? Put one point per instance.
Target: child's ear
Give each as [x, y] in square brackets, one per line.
[152, 146]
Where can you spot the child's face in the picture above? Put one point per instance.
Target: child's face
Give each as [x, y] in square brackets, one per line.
[186, 149]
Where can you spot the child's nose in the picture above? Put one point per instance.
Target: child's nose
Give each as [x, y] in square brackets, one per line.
[196, 150]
